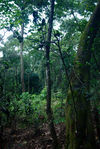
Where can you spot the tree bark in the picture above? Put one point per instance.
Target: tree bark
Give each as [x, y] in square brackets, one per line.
[48, 78]
[21, 59]
[79, 128]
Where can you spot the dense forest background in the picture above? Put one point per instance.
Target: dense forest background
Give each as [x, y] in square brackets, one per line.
[49, 74]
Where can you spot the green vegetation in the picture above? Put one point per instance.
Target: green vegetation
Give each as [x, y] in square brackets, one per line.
[50, 72]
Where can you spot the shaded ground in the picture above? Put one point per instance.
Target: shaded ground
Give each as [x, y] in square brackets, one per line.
[33, 139]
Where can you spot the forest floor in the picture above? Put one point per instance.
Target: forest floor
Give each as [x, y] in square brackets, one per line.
[29, 138]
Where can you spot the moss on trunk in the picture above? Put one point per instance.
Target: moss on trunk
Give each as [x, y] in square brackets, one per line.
[79, 129]
[80, 134]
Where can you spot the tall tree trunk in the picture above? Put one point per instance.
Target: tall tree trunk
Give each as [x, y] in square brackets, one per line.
[79, 127]
[48, 78]
[29, 82]
[21, 59]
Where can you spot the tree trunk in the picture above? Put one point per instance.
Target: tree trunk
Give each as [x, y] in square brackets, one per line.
[21, 59]
[79, 127]
[48, 78]
[28, 82]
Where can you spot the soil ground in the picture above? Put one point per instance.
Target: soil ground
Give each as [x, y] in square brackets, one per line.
[29, 138]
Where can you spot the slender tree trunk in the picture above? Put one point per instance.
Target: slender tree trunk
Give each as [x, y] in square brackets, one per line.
[4, 84]
[21, 59]
[79, 128]
[16, 80]
[68, 78]
[28, 82]
[48, 78]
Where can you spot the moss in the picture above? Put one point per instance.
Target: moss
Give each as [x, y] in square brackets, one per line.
[72, 141]
[79, 129]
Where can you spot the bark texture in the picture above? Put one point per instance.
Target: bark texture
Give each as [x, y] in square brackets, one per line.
[79, 127]
[21, 59]
[48, 77]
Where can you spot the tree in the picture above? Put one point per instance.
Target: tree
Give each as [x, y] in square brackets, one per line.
[48, 78]
[79, 126]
